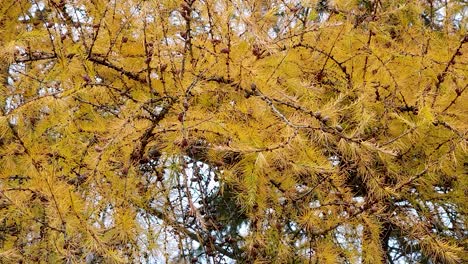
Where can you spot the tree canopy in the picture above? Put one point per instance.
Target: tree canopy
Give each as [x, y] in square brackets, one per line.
[223, 131]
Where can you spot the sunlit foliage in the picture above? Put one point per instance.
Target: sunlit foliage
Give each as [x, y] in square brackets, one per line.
[222, 131]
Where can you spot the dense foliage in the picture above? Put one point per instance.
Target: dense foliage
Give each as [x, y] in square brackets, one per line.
[214, 131]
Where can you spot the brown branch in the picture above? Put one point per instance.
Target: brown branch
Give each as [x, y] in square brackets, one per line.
[36, 56]
[101, 61]
[180, 228]
[441, 76]
[459, 92]
[331, 57]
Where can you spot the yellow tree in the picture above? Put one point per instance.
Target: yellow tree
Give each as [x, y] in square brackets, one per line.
[242, 131]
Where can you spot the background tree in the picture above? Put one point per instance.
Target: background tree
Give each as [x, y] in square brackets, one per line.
[233, 131]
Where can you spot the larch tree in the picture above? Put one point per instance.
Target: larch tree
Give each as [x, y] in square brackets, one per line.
[233, 131]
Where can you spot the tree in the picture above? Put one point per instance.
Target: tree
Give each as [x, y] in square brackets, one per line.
[233, 131]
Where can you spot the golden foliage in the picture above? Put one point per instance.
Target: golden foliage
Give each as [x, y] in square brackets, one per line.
[251, 131]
